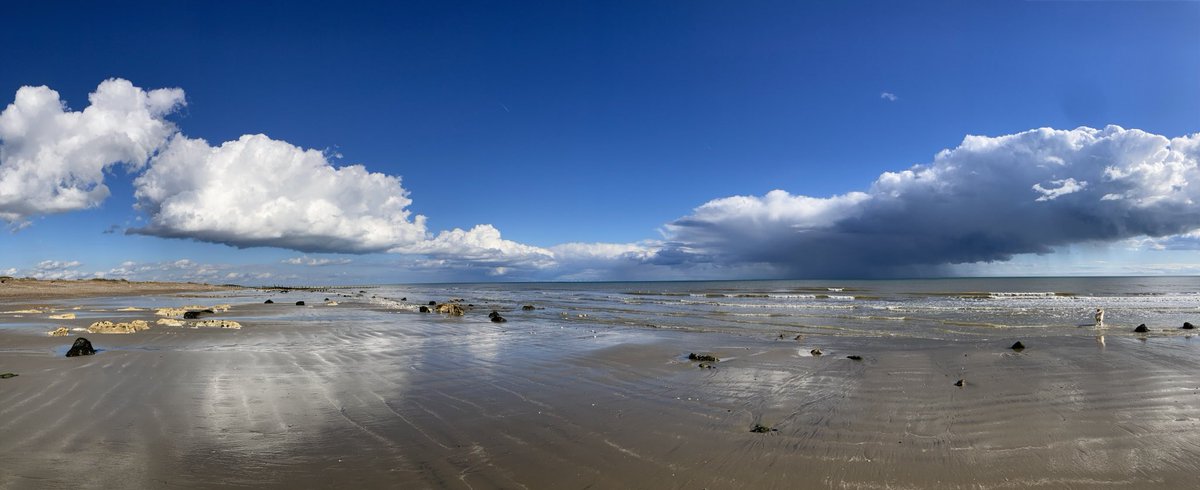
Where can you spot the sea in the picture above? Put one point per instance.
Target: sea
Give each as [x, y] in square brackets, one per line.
[951, 308]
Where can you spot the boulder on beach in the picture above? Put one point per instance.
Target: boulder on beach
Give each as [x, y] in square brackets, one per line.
[854, 358]
[433, 303]
[170, 322]
[527, 307]
[450, 309]
[761, 429]
[703, 357]
[268, 302]
[64, 316]
[815, 352]
[498, 319]
[423, 309]
[1018, 346]
[1188, 326]
[106, 326]
[1141, 329]
[331, 303]
[960, 383]
[81, 347]
[299, 303]
[194, 314]
[706, 365]
[60, 332]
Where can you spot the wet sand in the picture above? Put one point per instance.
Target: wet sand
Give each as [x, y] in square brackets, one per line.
[333, 397]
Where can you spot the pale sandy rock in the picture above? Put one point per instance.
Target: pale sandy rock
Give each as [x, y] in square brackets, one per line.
[60, 332]
[106, 326]
[131, 308]
[217, 323]
[450, 309]
[23, 312]
[170, 322]
[178, 311]
[63, 316]
[331, 303]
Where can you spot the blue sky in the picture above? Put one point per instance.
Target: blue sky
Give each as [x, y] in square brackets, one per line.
[614, 122]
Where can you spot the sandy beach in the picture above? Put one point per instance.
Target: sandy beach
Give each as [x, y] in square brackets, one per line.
[353, 395]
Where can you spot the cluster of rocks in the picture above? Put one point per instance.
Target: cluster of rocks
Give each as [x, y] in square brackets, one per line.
[496, 318]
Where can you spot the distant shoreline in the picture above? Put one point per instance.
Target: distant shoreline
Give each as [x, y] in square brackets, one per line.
[12, 288]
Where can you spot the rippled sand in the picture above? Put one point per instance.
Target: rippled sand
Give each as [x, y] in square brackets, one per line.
[353, 396]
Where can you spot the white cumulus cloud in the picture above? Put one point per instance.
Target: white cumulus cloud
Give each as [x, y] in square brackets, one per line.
[52, 159]
[257, 191]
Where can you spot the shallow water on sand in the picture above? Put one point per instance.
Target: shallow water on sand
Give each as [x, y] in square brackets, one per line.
[593, 388]
[936, 308]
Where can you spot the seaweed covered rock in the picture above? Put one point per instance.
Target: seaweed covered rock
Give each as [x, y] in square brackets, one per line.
[451, 309]
[81, 347]
[761, 429]
[195, 314]
[702, 357]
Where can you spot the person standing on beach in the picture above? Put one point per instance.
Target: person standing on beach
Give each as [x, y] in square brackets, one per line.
[1099, 317]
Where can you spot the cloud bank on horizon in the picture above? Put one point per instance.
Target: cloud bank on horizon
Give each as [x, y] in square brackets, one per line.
[986, 200]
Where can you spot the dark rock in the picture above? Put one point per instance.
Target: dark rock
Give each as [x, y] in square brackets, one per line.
[432, 303]
[299, 303]
[194, 314]
[960, 383]
[527, 307]
[493, 314]
[815, 352]
[761, 429]
[404, 298]
[703, 357]
[799, 337]
[1141, 328]
[268, 302]
[498, 319]
[7, 375]
[1018, 346]
[81, 347]
[854, 358]
[326, 300]
[705, 365]
[1188, 326]
[424, 309]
